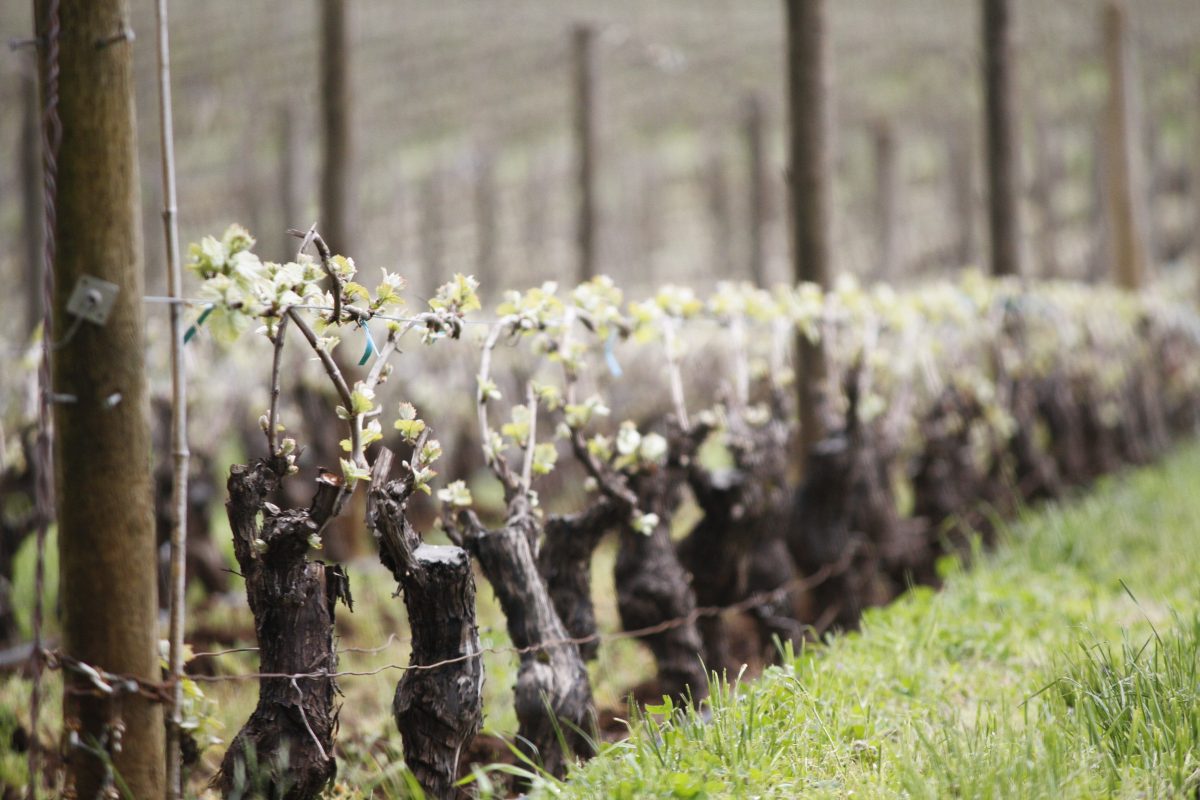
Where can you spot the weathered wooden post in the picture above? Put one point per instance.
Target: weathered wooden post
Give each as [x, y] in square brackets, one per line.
[433, 229]
[1125, 185]
[883, 141]
[583, 40]
[486, 233]
[534, 191]
[106, 537]
[810, 183]
[1041, 193]
[961, 195]
[650, 213]
[336, 130]
[720, 222]
[1003, 158]
[756, 188]
[1098, 257]
[289, 201]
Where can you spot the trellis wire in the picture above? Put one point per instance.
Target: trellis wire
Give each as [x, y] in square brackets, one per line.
[108, 683]
[44, 492]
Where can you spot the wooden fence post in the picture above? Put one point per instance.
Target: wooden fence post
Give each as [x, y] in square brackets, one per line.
[1125, 187]
[289, 203]
[433, 229]
[650, 214]
[583, 52]
[1003, 158]
[720, 222]
[810, 183]
[883, 140]
[533, 209]
[486, 234]
[753, 125]
[336, 178]
[961, 186]
[106, 538]
[1041, 193]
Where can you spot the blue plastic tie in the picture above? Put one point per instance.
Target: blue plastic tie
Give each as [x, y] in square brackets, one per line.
[610, 357]
[371, 349]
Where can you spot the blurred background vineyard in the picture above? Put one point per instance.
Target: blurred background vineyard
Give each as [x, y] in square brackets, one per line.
[461, 140]
[462, 158]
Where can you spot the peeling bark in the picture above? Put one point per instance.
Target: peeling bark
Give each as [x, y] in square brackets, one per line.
[1058, 407]
[820, 537]
[653, 587]
[553, 696]
[285, 749]
[737, 549]
[1034, 469]
[949, 483]
[565, 564]
[438, 711]
[844, 519]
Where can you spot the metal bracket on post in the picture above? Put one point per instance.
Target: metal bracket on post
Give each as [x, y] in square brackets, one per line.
[92, 299]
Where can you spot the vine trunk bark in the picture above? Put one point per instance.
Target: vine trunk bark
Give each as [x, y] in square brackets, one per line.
[285, 749]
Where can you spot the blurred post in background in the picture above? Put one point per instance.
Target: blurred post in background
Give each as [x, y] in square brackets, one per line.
[583, 52]
[337, 180]
[1000, 126]
[1125, 170]
[756, 185]
[810, 179]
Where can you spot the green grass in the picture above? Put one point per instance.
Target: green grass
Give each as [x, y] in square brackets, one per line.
[1064, 665]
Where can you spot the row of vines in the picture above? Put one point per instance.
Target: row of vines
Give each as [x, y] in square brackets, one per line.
[943, 409]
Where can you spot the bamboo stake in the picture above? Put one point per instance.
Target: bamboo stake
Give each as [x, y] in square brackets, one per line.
[179, 439]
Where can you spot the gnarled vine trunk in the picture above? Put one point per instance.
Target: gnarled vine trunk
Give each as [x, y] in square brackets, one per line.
[553, 696]
[949, 484]
[1058, 406]
[845, 524]
[565, 563]
[1034, 468]
[438, 711]
[653, 588]
[821, 538]
[737, 550]
[285, 749]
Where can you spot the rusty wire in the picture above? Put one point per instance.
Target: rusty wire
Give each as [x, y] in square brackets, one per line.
[103, 683]
[44, 486]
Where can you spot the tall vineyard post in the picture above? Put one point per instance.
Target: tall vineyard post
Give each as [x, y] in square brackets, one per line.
[886, 165]
[810, 180]
[756, 187]
[1000, 128]
[336, 128]
[1124, 169]
[583, 49]
[106, 537]
[288, 168]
